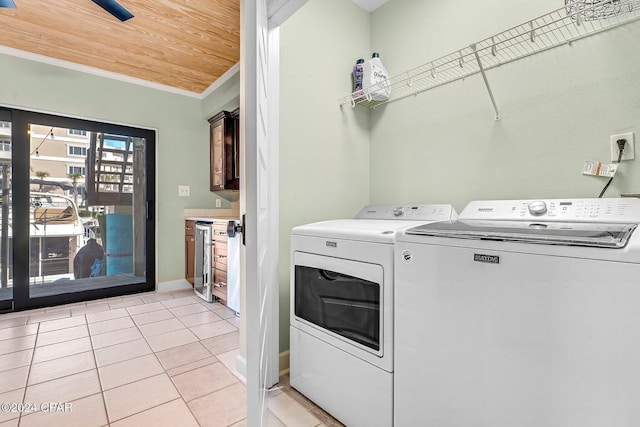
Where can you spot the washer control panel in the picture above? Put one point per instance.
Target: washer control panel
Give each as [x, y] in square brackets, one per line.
[587, 210]
[408, 212]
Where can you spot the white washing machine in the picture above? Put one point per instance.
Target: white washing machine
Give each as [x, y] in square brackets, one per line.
[341, 322]
[521, 313]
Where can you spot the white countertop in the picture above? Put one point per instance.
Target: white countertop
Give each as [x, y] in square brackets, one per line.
[210, 215]
[211, 219]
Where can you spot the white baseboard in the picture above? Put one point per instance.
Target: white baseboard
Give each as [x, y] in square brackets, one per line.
[173, 285]
[241, 368]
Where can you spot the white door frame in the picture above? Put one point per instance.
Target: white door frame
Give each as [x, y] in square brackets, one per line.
[259, 349]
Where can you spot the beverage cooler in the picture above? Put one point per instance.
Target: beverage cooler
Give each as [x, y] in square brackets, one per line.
[203, 282]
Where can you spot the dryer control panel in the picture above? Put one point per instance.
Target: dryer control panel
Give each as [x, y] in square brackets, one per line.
[408, 212]
[624, 210]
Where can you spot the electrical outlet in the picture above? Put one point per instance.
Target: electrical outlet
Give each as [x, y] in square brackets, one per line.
[629, 147]
[184, 190]
[218, 203]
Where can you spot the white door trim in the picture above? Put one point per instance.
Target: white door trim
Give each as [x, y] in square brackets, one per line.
[260, 284]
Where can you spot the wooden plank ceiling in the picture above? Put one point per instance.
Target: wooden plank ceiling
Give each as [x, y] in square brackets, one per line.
[186, 44]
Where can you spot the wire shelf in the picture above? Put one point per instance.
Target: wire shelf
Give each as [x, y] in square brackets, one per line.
[577, 20]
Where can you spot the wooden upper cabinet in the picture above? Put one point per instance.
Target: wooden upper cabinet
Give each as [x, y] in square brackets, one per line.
[224, 151]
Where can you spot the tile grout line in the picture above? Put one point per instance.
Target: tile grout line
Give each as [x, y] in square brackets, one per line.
[98, 371]
[26, 383]
[222, 364]
[95, 360]
[171, 378]
[143, 337]
[154, 354]
[163, 368]
[206, 348]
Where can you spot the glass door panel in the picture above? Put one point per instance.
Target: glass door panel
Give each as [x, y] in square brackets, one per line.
[6, 283]
[88, 210]
[217, 173]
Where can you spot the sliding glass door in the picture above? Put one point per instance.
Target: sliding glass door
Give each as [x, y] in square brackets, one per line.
[83, 209]
[6, 290]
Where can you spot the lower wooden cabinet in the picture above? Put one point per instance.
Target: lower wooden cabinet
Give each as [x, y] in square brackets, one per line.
[219, 260]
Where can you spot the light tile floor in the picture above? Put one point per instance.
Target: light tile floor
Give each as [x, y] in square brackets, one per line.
[151, 359]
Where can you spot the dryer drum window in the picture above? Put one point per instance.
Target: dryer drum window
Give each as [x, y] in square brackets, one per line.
[345, 305]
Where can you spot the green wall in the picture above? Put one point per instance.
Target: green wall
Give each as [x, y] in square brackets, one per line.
[182, 135]
[558, 109]
[226, 97]
[324, 151]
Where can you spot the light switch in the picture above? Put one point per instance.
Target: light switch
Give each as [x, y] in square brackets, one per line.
[184, 190]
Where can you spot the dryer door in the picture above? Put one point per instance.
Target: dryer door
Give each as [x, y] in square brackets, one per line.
[339, 298]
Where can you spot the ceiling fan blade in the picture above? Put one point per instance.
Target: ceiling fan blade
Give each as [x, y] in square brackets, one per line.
[113, 8]
[7, 3]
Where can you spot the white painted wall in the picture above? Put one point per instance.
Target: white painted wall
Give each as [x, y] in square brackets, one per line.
[182, 136]
[558, 109]
[324, 151]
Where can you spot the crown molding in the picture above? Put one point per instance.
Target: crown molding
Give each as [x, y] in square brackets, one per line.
[221, 80]
[98, 72]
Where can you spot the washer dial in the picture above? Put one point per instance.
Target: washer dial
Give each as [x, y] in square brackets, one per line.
[537, 208]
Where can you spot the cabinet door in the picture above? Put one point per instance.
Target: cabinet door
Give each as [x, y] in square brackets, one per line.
[224, 151]
[217, 156]
[235, 154]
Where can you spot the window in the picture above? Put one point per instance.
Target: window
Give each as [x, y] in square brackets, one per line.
[74, 150]
[77, 132]
[73, 170]
[5, 124]
[80, 191]
[5, 145]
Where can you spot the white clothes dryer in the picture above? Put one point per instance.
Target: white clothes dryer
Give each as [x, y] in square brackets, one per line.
[520, 313]
[341, 322]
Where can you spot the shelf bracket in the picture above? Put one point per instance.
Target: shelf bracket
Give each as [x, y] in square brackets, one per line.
[532, 33]
[486, 81]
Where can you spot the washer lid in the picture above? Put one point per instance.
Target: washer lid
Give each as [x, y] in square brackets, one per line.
[601, 235]
[377, 223]
[355, 229]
